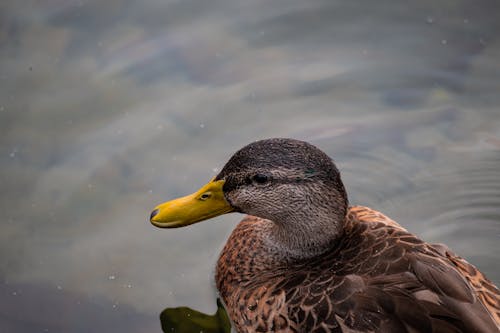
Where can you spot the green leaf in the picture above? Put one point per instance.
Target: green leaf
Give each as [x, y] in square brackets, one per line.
[186, 320]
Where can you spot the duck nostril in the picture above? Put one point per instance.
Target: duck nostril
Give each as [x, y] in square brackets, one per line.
[154, 213]
[205, 196]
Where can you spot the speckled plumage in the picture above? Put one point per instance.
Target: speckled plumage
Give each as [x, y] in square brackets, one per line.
[310, 263]
[378, 278]
[303, 260]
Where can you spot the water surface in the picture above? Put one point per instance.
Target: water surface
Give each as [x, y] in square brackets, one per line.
[108, 108]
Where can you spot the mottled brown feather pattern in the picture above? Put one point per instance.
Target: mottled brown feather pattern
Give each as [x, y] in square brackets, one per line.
[310, 263]
[377, 278]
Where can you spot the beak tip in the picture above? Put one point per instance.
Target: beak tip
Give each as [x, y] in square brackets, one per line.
[153, 214]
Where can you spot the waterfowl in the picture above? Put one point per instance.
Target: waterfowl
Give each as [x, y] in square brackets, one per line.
[303, 260]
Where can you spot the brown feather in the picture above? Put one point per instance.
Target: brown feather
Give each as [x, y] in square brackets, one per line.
[379, 278]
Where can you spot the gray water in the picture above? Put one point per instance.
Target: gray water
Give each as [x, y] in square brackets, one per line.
[108, 108]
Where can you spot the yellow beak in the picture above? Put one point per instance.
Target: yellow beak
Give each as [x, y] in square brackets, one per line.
[206, 203]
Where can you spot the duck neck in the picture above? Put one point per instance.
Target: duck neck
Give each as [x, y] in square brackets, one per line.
[298, 236]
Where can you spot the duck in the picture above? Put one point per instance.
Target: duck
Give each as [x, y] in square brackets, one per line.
[304, 260]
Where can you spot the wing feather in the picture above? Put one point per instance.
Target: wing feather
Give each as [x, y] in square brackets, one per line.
[401, 285]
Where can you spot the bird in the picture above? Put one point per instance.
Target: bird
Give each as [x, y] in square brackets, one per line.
[304, 260]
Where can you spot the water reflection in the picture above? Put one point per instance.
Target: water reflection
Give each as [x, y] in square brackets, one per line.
[109, 107]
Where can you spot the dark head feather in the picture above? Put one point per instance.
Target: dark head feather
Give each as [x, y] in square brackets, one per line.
[301, 159]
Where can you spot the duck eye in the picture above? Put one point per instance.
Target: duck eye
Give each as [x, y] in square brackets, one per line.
[260, 178]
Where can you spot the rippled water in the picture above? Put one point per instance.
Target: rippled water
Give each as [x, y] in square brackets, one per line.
[108, 108]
